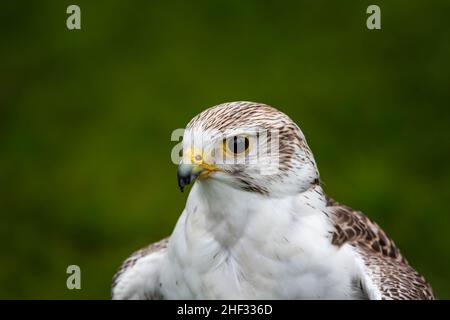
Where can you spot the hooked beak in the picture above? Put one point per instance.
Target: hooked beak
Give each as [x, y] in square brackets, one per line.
[188, 172]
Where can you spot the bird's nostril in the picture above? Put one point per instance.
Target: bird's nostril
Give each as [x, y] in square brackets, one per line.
[198, 157]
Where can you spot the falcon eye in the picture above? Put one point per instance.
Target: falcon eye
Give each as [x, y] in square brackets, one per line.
[236, 145]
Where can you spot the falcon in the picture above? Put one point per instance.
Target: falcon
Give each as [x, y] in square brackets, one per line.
[258, 225]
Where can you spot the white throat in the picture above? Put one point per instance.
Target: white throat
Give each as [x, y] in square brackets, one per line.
[230, 214]
[232, 244]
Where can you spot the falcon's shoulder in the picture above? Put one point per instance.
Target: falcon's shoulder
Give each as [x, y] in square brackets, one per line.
[137, 276]
[388, 274]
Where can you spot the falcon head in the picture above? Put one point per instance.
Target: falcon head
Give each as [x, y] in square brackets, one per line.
[248, 146]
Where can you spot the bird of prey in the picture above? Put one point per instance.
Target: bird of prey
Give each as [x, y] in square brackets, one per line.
[258, 224]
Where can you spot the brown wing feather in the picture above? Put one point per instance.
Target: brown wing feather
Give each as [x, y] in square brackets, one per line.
[131, 260]
[388, 269]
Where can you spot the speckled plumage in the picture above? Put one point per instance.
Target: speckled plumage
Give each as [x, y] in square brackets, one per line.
[390, 271]
[131, 261]
[245, 235]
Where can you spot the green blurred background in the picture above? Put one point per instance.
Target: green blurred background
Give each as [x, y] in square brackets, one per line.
[86, 118]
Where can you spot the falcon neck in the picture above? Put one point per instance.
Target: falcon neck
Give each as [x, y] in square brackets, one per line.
[229, 214]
